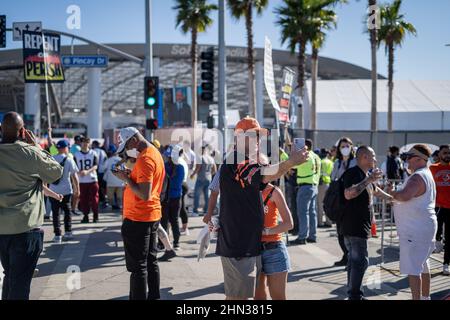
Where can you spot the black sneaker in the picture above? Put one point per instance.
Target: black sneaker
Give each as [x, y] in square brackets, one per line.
[85, 220]
[46, 218]
[311, 240]
[160, 247]
[167, 256]
[297, 242]
[176, 246]
[341, 263]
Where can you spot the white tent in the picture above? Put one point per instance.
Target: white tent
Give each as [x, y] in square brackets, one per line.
[346, 105]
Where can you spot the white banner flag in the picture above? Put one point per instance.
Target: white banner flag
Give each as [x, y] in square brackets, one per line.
[269, 79]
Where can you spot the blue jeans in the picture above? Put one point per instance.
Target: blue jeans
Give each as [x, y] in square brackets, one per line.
[307, 211]
[19, 255]
[358, 261]
[201, 186]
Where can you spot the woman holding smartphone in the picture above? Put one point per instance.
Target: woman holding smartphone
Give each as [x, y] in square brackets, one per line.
[274, 256]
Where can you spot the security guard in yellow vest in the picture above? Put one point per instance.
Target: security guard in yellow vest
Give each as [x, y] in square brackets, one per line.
[308, 178]
[325, 180]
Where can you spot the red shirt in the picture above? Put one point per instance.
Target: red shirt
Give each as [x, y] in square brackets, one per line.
[441, 175]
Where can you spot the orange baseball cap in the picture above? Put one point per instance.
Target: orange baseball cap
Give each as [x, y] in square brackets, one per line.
[250, 124]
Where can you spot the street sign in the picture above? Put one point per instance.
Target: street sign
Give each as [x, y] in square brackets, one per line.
[20, 27]
[96, 61]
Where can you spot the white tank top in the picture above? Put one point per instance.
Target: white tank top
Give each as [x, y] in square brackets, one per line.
[416, 218]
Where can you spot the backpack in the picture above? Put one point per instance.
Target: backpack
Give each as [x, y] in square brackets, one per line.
[62, 164]
[334, 200]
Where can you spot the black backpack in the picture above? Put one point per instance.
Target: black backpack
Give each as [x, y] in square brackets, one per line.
[334, 200]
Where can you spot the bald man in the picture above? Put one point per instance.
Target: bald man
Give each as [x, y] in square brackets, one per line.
[360, 188]
[24, 168]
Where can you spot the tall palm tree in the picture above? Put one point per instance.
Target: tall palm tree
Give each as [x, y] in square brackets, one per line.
[296, 18]
[194, 17]
[244, 8]
[392, 33]
[323, 20]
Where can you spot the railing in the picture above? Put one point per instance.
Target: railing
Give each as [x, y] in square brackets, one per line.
[386, 214]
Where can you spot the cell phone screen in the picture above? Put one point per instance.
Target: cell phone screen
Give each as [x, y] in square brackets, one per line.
[299, 143]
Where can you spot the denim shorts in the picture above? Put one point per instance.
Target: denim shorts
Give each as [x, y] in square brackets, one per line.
[275, 260]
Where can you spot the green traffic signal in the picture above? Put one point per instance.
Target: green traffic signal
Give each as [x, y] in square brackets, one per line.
[151, 101]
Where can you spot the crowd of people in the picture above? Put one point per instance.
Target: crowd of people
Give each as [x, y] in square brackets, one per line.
[243, 202]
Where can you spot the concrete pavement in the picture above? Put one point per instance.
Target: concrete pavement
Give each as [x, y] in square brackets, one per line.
[92, 267]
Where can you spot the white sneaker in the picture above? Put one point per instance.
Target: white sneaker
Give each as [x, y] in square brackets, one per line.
[439, 247]
[445, 270]
[57, 239]
[68, 236]
[186, 232]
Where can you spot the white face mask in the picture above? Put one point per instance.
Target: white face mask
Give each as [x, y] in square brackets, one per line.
[345, 152]
[133, 153]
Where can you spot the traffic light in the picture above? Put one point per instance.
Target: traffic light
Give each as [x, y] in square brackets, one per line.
[151, 124]
[207, 65]
[2, 31]
[151, 96]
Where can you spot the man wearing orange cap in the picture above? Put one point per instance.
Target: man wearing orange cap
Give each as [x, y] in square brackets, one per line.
[241, 220]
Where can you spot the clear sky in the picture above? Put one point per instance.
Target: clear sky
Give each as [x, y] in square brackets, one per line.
[424, 57]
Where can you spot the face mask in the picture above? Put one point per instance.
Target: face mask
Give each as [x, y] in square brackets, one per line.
[345, 152]
[133, 153]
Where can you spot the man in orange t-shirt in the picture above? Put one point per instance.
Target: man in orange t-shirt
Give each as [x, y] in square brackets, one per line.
[141, 213]
[441, 174]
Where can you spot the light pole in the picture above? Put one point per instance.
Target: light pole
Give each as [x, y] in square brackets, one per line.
[148, 56]
[222, 76]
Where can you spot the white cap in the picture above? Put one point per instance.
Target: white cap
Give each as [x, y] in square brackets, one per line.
[125, 135]
[176, 153]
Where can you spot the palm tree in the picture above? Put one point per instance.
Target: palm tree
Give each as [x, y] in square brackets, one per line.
[324, 20]
[244, 8]
[296, 18]
[194, 17]
[392, 33]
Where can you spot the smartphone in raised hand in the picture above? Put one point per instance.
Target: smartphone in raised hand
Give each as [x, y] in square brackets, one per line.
[299, 144]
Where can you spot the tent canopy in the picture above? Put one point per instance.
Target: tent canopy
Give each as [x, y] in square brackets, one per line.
[346, 105]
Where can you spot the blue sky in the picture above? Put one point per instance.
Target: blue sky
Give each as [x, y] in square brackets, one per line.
[424, 57]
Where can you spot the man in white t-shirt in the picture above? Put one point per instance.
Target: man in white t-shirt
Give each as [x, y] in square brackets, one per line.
[87, 162]
[66, 186]
[114, 186]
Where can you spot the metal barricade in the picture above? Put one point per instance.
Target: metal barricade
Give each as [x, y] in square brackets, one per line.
[386, 214]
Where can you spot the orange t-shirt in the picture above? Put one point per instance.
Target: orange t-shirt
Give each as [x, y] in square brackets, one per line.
[270, 217]
[441, 175]
[149, 167]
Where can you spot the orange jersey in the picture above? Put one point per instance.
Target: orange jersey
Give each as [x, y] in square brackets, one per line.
[270, 217]
[149, 167]
[441, 175]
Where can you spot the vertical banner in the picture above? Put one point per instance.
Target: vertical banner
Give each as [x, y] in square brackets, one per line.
[286, 93]
[269, 79]
[41, 57]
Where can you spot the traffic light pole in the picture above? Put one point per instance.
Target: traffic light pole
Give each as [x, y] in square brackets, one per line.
[148, 57]
[222, 76]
